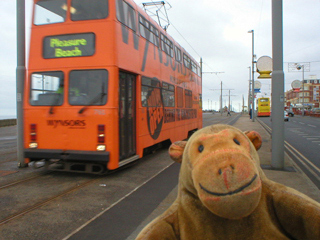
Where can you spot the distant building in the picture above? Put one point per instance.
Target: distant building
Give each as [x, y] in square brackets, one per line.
[310, 100]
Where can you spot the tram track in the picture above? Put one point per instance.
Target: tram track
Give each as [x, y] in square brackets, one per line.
[47, 200]
[44, 202]
[22, 181]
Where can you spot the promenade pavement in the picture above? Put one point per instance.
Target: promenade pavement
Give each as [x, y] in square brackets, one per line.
[292, 176]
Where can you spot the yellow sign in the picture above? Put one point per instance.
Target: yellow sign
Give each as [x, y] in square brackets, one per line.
[73, 45]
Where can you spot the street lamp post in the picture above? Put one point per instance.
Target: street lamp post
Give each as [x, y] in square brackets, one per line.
[299, 67]
[252, 86]
[20, 75]
[277, 161]
[249, 93]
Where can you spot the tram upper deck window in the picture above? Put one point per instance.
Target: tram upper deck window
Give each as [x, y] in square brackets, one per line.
[50, 11]
[89, 9]
[126, 14]
[88, 87]
[47, 89]
[177, 54]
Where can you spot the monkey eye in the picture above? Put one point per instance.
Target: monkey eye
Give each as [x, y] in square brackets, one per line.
[200, 148]
[236, 141]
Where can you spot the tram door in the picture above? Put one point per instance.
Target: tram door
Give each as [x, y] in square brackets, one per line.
[127, 107]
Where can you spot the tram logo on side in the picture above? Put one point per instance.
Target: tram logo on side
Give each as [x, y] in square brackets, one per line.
[155, 113]
[67, 123]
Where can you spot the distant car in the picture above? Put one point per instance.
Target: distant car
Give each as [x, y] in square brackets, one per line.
[316, 110]
[286, 116]
[290, 113]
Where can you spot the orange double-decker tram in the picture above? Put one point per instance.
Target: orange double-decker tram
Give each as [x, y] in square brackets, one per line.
[104, 83]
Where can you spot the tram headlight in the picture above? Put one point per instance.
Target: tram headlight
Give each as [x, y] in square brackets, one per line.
[101, 148]
[33, 145]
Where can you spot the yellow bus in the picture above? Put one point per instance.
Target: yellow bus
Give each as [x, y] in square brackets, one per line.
[263, 105]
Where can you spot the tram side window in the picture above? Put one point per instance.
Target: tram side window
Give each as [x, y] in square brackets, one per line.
[188, 98]
[198, 71]
[177, 54]
[126, 15]
[46, 89]
[88, 87]
[193, 67]
[89, 9]
[150, 93]
[166, 45]
[179, 97]
[186, 61]
[148, 31]
[168, 95]
[50, 11]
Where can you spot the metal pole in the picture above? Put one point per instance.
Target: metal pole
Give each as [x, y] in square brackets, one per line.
[253, 76]
[249, 95]
[20, 76]
[229, 102]
[202, 102]
[302, 90]
[277, 87]
[221, 100]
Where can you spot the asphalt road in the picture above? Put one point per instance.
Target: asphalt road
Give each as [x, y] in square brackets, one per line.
[302, 143]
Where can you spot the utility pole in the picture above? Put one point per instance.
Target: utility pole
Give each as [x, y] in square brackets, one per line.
[277, 161]
[229, 97]
[221, 96]
[253, 62]
[249, 93]
[20, 77]
[242, 103]
[216, 73]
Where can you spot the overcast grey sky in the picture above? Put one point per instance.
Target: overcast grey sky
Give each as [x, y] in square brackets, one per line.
[215, 30]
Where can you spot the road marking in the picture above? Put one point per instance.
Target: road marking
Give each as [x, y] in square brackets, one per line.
[312, 138]
[8, 138]
[115, 203]
[303, 134]
[301, 158]
[302, 123]
[312, 126]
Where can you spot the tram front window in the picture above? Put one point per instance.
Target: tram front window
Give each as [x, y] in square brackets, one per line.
[89, 9]
[47, 89]
[88, 87]
[50, 11]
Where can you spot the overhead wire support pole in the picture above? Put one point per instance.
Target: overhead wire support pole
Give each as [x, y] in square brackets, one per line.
[253, 62]
[20, 77]
[216, 73]
[277, 124]
[249, 92]
[229, 97]
[221, 96]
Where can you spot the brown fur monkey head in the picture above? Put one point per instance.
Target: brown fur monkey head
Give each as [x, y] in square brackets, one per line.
[221, 167]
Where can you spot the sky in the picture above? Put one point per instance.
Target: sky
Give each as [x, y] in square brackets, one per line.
[214, 30]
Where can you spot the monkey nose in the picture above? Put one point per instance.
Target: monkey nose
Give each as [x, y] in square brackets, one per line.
[227, 174]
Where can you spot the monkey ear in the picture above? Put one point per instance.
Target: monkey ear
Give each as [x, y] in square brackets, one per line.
[176, 151]
[255, 138]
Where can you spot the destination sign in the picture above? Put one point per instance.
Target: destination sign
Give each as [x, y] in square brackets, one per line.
[73, 45]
